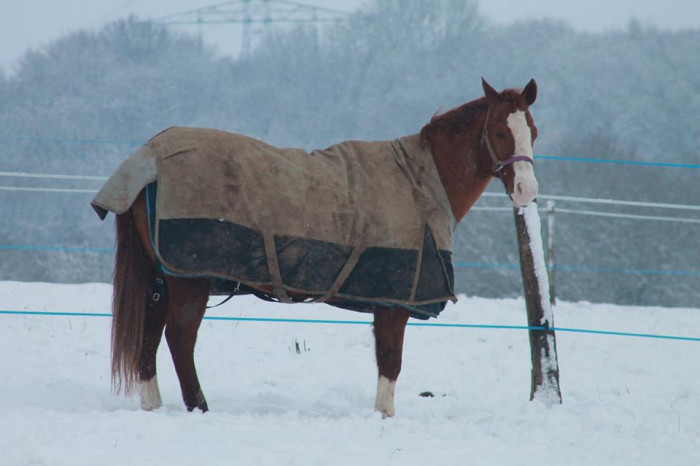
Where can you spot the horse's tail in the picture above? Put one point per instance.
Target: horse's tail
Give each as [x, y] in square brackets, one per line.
[133, 275]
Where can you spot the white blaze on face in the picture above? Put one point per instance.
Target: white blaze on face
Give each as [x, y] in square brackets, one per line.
[524, 184]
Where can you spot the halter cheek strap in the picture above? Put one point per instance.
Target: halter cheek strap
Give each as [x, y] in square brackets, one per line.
[498, 164]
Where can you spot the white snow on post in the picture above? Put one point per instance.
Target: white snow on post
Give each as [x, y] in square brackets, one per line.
[534, 231]
[548, 392]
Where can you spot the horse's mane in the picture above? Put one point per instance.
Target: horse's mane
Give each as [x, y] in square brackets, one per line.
[461, 118]
[454, 121]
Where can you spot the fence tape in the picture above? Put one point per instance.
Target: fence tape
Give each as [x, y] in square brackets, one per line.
[47, 190]
[52, 176]
[618, 162]
[358, 322]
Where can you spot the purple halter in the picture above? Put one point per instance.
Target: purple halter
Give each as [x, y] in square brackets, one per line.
[498, 164]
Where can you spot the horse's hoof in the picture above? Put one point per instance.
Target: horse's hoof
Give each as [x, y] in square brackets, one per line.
[198, 403]
[203, 408]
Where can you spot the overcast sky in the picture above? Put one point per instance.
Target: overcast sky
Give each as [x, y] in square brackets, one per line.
[34, 23]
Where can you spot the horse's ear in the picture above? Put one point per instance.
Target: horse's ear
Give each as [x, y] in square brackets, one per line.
[491, 94]
[530, 92]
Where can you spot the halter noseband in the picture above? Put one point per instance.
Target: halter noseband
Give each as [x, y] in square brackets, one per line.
[498, 164]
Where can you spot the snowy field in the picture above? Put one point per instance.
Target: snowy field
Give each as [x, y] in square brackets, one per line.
[627, 401]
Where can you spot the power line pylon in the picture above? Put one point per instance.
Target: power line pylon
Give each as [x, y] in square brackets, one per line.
[251, 13]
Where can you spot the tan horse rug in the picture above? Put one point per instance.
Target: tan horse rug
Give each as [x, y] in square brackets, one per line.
[356, 224]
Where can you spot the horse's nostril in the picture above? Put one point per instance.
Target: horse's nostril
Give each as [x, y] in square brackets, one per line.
[524, 191]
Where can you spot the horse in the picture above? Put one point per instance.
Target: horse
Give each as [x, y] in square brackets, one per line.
[489, 137]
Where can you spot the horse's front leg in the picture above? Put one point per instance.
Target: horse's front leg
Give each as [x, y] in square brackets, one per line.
[389, 329]
[187, 301]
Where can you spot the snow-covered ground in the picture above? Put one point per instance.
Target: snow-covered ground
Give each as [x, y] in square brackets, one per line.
[627, 401]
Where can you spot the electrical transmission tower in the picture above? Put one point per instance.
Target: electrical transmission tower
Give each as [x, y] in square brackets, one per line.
[255, 13]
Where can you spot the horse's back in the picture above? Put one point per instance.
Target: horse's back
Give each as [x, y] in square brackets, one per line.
[226, 201]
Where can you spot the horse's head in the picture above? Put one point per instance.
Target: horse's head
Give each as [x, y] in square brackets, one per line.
[507, 139]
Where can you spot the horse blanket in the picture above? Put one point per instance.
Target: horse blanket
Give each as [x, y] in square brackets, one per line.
[355, 224]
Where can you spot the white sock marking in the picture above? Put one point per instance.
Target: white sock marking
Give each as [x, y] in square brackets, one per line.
[150, 394]
[385, 397]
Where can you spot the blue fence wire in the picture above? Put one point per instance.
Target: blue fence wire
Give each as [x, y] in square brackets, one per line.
[338, 322]
[537, 157]
[77, 249]
[361, 322]
[617, 162]
[457, 264]
[584, 269]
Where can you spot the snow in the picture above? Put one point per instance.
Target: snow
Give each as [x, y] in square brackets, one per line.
[627, 401]
[534, 231]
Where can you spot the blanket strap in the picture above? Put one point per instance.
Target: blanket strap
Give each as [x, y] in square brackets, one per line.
[160, 291]
[342, 275]
[274, 268]
[233, 293]
[419, 264]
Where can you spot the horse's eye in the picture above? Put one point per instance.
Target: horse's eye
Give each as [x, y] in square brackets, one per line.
[500, 134]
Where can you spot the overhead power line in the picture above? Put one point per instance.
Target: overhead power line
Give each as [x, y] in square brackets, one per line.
[247, 13]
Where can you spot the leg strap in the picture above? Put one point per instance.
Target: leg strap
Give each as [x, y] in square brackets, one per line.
[160, 292]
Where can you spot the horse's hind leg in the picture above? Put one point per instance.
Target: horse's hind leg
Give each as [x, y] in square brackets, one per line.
[187, 300]
[152, 332]
[389, 329]
[153, 319]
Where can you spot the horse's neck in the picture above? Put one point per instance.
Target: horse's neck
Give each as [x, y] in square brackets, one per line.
[462, 173]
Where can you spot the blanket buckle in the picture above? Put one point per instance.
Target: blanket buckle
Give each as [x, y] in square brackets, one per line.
[282, 295]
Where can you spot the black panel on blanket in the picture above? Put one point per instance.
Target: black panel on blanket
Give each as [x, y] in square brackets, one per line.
[226, 249]
[219, 248]
[382, 273]
[431, 283]
[308, 264]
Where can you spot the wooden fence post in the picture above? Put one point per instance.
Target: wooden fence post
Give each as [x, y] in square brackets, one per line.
[543, 345]
[550, 253]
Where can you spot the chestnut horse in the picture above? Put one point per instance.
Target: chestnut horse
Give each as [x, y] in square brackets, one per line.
[489, 137]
